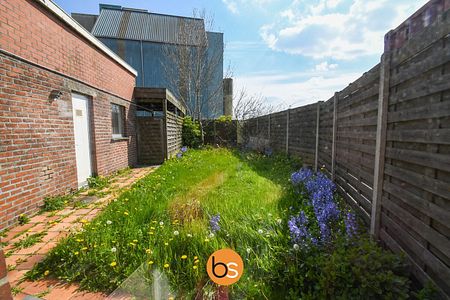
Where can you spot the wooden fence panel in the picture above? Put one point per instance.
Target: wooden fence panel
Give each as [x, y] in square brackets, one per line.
[415, 217]
[302, 132]
[174, 126]
[278, 129]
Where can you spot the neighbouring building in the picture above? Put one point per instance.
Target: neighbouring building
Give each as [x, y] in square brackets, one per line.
[140, 38]
[65, 106]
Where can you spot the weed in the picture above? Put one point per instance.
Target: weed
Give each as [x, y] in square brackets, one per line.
[56, 202]
[16, 290]
[23, 219]
[29, 240]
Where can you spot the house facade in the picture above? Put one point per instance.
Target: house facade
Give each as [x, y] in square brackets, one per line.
[66, 107]
[143, 38]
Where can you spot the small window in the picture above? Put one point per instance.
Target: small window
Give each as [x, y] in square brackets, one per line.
[118, 117]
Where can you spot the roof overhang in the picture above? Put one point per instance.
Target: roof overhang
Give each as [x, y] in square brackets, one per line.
[67, 19]
[143, 95]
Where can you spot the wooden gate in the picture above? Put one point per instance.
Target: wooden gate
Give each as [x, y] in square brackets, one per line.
[150, 140]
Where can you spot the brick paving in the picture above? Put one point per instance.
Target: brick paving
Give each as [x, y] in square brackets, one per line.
[55, 226]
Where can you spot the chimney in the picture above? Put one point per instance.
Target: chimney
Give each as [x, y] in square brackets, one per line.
[228, 96]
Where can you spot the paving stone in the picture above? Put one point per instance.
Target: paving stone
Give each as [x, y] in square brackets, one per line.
[62, 292]
[30, 250]
[49, 236]
[38, 219]
[46, 248]
[36, 287]
[11, 260]
[31, 261]
[15, 275]
[88, 296]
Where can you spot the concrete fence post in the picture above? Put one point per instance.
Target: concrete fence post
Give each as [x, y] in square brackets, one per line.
[380, 145]
[287, 130]
[316, 159]
[5, 288]
[268, 128]
[333, 145]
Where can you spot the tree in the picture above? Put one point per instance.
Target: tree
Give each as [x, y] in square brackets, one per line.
[192, 70]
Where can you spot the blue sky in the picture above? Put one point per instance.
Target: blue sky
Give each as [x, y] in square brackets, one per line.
[291, 52]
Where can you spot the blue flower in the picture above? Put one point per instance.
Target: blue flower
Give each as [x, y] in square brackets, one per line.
[184, 149]
[298, 228]
[214, 223]
[179, 155]
[351, 226]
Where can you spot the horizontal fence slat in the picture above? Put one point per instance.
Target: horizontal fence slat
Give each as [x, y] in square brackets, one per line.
[426, 159]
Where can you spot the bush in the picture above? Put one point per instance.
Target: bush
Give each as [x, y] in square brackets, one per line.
[191, 135]
[98, 182]
[56, 202]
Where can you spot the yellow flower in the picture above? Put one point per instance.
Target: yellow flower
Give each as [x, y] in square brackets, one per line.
[151, 233]
[126, 213]
[84, 248]
[152, 228]
[113, 264]
[132, 244]
[166, 244]
[196, 261]
[135, 241]
[166, 266]
[171, 298]
[150, 262]
[148, 251]
[46, 273]
[79, 240]
[195, 257]
[194, 267]
[206, 240]
[154, 221]
[83, 221]
[183, 256]
[76, 253]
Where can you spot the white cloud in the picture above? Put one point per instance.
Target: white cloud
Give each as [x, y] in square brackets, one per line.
[231, 6]
[325, 66]
[296, 88]
[322, 31]
[234, 5]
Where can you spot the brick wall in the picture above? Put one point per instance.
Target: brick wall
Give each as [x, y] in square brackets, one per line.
[31, 32]
[37, 152]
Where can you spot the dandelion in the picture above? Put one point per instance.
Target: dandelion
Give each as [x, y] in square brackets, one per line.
[152, 228]
[76, 253]
[113, 249]
[166, 244]
[151, 233]
[150, 262]
[148, 251]
[194, 267]
[183, 257]
[206, 240]
[79, 240]
[109, 222]
[166, 266]
[189, 235]
[161, 223]
[249, 250]
[113, 264]
[176, 232]
[84, 221]
[260, 231]
[132, 244]
[84, 249]
[196, 261]
[46, 273]
[195, 257]
[296, 247]
[135, 241]
[126, 213]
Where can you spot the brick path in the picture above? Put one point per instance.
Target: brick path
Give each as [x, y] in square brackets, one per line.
[55, 226]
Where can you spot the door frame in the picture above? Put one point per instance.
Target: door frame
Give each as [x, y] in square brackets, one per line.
[90, 124]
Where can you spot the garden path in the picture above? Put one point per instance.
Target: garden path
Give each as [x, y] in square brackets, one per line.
[51, 227]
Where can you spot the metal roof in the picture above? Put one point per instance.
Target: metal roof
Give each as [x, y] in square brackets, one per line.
[144, 26]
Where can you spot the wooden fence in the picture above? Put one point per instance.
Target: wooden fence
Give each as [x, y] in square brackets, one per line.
[174, 127]
[385, 141]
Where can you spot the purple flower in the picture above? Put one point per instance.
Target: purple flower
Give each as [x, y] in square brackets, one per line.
[298, 228]
[214, 223]
[351, 226]
[302, 176]
[184, 149]
[179, 155]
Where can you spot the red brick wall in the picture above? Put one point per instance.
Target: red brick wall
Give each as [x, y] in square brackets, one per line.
[37, 152]
[28, 30]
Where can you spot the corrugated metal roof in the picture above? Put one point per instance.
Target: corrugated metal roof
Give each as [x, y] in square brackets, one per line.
[136, 25]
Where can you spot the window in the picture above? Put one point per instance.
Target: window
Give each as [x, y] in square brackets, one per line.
[118, 117]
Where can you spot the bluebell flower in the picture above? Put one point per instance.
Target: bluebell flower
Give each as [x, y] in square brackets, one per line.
[298, 228]
[184, 149]
[179, 155]
[351, 226]
[214, 223]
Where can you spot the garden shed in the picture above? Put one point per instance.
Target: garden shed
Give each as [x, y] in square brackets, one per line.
[159, 120]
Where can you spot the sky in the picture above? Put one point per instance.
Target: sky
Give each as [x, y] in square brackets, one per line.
[292, 52]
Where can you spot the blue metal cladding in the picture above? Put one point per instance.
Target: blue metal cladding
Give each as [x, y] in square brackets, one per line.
[151, 71]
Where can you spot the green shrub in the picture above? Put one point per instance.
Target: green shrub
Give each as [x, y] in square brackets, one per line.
[191, 134]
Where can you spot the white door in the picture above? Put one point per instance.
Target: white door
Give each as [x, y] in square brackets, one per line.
[80, 108]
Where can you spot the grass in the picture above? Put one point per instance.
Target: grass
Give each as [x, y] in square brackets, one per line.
[165, 217]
